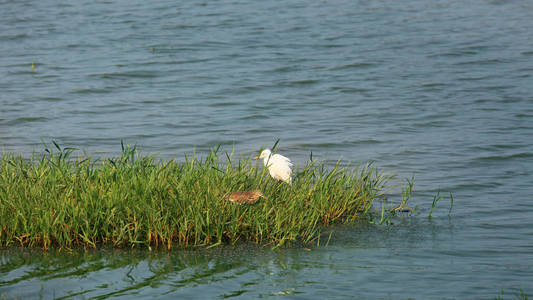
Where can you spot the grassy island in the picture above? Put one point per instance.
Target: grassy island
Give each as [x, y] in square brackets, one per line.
[56, 200]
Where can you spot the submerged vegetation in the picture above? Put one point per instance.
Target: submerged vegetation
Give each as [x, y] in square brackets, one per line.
[56, 200]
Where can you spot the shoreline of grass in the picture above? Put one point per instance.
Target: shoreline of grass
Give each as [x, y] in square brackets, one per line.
[55, 200]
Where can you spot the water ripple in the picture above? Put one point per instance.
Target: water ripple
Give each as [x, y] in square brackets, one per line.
[24, 120]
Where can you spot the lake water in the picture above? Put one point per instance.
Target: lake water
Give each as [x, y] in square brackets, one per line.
[438, 90]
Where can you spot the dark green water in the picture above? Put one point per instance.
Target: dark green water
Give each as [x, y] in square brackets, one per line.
[441, 90]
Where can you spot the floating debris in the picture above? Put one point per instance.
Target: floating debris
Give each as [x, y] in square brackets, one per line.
[402, 208]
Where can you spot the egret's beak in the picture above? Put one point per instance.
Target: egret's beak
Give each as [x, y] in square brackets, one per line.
[256, 157]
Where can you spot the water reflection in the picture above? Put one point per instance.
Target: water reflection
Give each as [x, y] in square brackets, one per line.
[362, 261]
[355, 254]
[225, 272]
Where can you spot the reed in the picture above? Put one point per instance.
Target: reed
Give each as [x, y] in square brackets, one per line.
[56, 200]
[518, 295]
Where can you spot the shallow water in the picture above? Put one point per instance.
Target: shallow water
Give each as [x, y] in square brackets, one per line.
[439, 90]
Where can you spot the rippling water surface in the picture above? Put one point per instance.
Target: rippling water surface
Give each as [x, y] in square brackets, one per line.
[441, 90]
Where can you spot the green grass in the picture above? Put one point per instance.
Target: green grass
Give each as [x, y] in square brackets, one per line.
[518, 295]
[57, 200]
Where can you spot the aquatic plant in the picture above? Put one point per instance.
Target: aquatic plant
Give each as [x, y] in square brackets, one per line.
[57, 200]
[436, 200]
[518, 295]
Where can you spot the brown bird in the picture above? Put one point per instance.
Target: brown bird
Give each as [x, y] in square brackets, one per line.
[248, 197]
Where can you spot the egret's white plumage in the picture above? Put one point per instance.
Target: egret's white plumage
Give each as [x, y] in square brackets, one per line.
[278, 165]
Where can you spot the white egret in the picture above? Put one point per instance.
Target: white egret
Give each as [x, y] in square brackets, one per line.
[278, 165]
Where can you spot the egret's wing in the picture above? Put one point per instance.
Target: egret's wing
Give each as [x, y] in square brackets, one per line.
[279, 157]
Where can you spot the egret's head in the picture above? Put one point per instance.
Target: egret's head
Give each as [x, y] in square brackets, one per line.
[264, 153]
